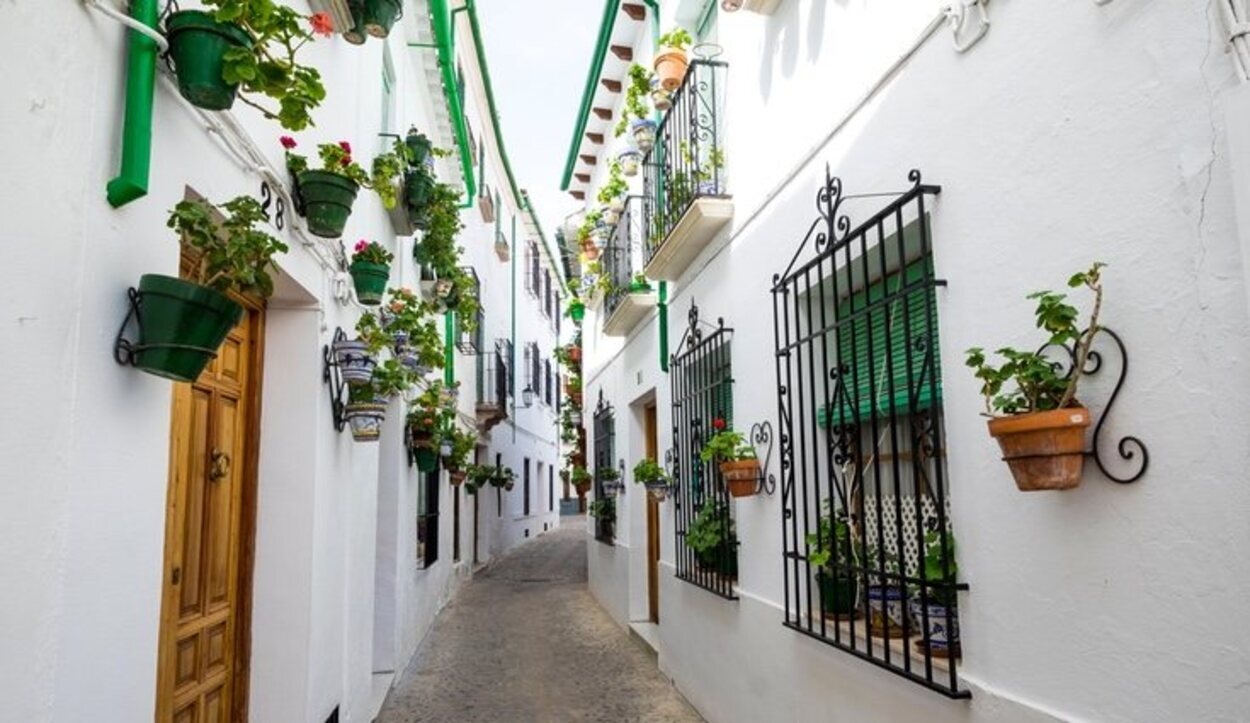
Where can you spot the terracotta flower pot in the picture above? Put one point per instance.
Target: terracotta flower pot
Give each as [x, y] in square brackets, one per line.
[670, 67]
[741, 477]
[457, 476]
[575, 353]
[1045, 450]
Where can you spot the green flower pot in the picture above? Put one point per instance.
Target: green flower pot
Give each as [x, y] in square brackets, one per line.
[426, 458]
[419, 146]
[577, 311]
[380, 15]
[837, 594]
[370, 280]
[327, 200]
[198, 45]
[356, 34]
[181, 326]
[417, 188]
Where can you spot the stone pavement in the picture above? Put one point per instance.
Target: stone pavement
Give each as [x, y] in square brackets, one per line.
[525, 642]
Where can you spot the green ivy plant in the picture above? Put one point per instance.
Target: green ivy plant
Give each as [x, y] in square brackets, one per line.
[1029, 381]
[607, 474]
[462, 445]
[649, 472]
[269, 67]
[580, 477]
[234, 253]
[616, 187]
[635, 95]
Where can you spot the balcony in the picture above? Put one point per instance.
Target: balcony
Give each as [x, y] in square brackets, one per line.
[493, 386]
[632, 298]
[685, 201]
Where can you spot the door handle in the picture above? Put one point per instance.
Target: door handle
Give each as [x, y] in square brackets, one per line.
[220, 467]
[176, 576]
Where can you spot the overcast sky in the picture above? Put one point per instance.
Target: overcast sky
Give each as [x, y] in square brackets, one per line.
[539, 54]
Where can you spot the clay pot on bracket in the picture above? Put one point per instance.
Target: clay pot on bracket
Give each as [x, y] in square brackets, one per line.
[1044, 450]
[742, 477]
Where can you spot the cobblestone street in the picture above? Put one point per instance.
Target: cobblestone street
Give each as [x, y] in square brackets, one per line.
[525, 641]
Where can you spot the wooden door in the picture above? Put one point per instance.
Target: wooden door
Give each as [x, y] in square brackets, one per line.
[209, 531]
[653, 526]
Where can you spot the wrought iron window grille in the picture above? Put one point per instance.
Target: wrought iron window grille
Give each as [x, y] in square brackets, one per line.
[868, 549]
[604, 422]
[619, 264]
[687, 161]
[701, 379]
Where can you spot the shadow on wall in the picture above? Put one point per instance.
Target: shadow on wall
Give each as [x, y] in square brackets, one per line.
[782, 36]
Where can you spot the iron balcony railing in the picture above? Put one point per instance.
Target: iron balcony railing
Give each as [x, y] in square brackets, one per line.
[618, 255]
[688, 159]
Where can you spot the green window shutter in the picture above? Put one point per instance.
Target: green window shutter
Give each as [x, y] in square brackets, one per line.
[705, 29]
[873, 346]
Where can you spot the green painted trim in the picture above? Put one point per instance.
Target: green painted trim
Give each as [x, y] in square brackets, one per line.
[521, 199]
[449, 348]
[441, 20]
[663, 291]
[131, 182]
[512, 282]
[610, 9]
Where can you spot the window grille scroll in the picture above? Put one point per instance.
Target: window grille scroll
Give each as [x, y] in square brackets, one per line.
[868, 548]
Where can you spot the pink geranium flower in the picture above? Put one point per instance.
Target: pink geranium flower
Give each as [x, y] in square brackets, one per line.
[287, 142]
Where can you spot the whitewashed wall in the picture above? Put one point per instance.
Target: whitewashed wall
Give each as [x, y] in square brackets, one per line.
[85, 440]
[1072, 133]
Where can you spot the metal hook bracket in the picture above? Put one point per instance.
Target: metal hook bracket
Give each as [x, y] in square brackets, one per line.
[761, 437]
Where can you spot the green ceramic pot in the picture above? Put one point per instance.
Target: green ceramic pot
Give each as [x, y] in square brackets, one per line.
[326, 199]
[837, 594]
[370, 280]
[380, 15]
[181, 326]
[197, 46]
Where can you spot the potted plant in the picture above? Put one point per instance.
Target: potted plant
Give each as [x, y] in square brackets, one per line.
[573, 389]
[581, 479]
[832, 552]
[325, 196]
[370, 270]
[886, 596]
[577, 310]
[478, 477]
[671, 61]
[184, 321]
[661, 98]
[462, 444]
[366, 406]
[413, 331]
[357, 358]
[503, 477]
[643, 131]
[712, 538]
[738, 464]
[380, 15]
[610, 481]
[247, 44]
[604, 510]
[630, 161]
[651, 475]
[429, 415]
[639, 284]
[1041, 430]
[931, 608]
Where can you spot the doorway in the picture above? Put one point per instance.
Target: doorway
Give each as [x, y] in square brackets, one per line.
[653, 522]
[210, 525]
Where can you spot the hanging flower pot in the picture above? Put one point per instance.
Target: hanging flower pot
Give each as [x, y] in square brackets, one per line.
[507, 486]
[417, 191]
[670, 67]
[370, 280]
[575, 417]
[457, 476]
[444, 448]
[886, 610]
[577, 311]
[380, 15]
[355, 363]
[426, 458]
[630, 161]
[660, 98]
[658, 489]
[182, 326]
[742, 476]
[617, 204]
[326, 199]
[356, 34]
[442, 288]
[198, 44]
[1044, 450]
[838, 594]
[643, 131]
[590, 250]
[610, 217]
[575, 354]
[365, 419]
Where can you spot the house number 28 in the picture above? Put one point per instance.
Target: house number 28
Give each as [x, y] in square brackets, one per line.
[267, 200]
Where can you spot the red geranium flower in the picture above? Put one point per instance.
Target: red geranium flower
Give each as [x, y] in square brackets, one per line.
[347, 147]
[718, 424]
[347, 161]
[287, 142]
[322, 24]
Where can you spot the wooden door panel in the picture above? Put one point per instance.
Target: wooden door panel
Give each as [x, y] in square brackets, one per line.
[189, 502]
[219, 500]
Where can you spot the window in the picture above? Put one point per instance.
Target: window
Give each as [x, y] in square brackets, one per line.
[551, 488]
[532, 284]
[547, 293]
[527, 487]
[605, 453]
[701, 376]
[472, 341]
[547, 391]
[533, 370]
[858, 359]
[427, 519]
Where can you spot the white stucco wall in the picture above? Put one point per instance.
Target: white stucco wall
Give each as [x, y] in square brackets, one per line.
[85, 440]
[1072, 133]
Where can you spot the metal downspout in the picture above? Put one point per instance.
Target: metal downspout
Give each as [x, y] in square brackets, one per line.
[662, 304]
[512, 257]
[449, 349]
[131, 182]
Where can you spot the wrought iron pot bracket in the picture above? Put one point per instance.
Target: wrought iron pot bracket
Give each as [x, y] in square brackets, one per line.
[761, 437]
[124, 350]
[1129, 446]
[334, 379]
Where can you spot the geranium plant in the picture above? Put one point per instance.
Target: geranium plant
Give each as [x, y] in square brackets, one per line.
[337, 158]
[371, 252]
[235, 255]
[726, 445]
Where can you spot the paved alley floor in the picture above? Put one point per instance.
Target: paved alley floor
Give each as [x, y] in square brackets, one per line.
[525, 641]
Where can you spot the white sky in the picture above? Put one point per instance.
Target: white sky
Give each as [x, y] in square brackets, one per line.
[539, 53]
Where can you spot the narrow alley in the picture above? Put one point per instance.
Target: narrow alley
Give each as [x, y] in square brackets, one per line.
[525, 641]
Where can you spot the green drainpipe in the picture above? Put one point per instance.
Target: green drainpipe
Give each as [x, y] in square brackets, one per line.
[449, 349]
[663, 291]
[444, 36]
[131, 182]
[512, 280]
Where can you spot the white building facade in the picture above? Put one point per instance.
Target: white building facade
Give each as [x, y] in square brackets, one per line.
[341, 553]
[1044, 137]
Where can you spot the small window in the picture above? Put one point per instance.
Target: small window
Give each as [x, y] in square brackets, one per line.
[427, 519]
[526, 486]
[605, 453]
